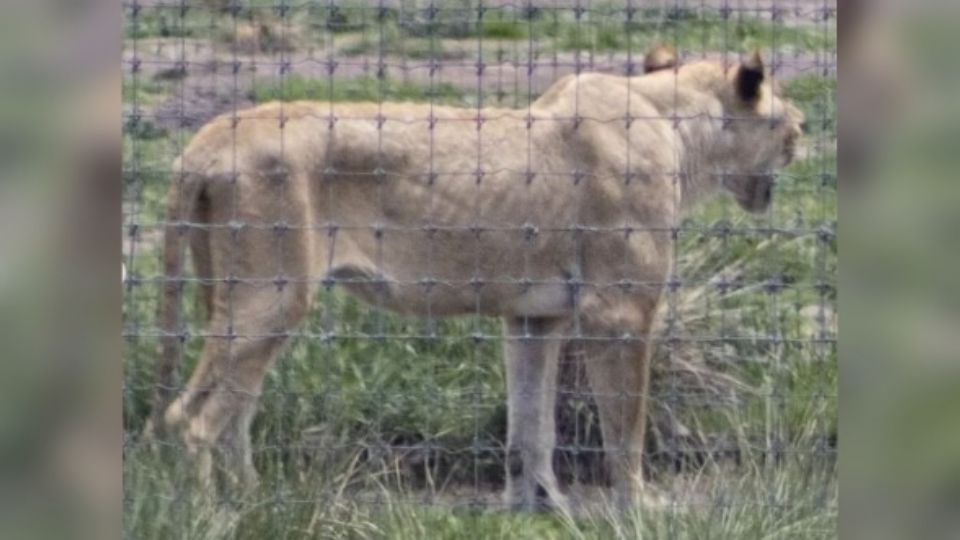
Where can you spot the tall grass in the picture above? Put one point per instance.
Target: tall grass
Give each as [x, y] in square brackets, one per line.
[794, 499]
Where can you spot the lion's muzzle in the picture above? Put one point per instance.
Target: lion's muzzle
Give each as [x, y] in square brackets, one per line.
[758, 193]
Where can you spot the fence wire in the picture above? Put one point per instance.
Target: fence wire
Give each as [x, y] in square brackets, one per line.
[369, 408]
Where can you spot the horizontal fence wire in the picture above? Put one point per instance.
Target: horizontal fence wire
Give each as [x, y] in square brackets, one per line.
[342, 217]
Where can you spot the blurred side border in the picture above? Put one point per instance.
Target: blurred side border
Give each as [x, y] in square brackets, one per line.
[900, 270]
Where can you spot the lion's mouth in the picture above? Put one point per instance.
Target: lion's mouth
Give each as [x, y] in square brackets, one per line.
[758, 195]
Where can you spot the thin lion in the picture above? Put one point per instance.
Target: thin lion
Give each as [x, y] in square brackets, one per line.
[556, 218]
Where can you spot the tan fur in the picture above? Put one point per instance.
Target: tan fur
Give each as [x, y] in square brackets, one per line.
[658, 58]
[556, 218]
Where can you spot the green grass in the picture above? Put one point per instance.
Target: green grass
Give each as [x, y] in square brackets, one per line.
[817, 97]
[601, 29]
[296, 87]
[144, 91]
[706, 32]
[164, 22]
[796, 499]
[503, 28]
[147, 154]
[412, 48]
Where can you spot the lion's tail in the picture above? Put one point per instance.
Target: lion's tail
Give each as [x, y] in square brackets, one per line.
[184, 219]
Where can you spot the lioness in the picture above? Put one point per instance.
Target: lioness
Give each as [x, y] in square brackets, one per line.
[558, 218]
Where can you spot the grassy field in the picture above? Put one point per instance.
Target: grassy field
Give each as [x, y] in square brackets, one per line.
[359, 437]
[364, 28]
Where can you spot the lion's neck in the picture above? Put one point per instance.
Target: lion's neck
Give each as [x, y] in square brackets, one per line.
[701, 141]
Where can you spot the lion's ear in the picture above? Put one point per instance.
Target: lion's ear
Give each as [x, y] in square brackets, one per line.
[749, 78]
[658, 58]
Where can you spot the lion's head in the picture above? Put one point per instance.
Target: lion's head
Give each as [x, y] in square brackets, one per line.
[760, 134]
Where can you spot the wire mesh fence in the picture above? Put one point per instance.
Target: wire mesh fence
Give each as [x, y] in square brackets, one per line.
[392, 218]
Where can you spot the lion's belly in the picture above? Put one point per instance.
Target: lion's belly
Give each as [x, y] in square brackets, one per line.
[408, 275]
[445, 299]
[447, 253]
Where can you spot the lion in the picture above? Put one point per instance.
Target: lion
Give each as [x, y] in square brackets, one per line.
[559, 219]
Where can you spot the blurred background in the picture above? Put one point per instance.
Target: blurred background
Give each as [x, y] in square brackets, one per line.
[900, 354]
[61, 96]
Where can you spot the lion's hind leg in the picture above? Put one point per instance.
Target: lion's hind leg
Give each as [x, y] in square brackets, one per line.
[214, 412]
[261, 295]
[531, 353]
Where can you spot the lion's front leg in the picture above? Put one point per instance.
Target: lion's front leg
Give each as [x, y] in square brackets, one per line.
[236, 451]
[531, 353]
[617, 353]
